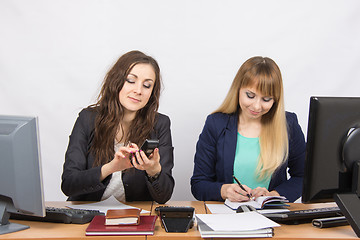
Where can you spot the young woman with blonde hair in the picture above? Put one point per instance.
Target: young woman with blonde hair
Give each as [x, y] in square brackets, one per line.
[251, 137]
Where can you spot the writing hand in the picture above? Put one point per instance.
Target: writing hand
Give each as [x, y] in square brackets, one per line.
[234, 193]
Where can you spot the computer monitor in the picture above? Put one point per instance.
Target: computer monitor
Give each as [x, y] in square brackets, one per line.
[21, 189]
[333, 155]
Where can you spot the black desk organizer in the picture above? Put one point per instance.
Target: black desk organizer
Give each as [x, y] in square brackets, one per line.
[176, 219]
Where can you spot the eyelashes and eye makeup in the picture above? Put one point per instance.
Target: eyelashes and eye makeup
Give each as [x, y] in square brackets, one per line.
[267, 99]
[130, 80]
[147, 83]
[252, 95]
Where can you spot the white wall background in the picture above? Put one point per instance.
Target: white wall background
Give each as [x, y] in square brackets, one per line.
[55, 53]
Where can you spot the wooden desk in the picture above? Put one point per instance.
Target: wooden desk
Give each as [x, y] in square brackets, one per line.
[42, 230]
[307, 231]
[59, 231]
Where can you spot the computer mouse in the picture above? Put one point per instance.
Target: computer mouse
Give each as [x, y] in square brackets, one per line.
[245, 208]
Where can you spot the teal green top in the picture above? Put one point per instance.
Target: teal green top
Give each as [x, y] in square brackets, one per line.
[246, 160]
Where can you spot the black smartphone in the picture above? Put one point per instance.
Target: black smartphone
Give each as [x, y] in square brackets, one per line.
[149, 145]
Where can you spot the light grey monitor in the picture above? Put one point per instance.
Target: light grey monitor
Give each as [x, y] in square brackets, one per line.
[21, 189]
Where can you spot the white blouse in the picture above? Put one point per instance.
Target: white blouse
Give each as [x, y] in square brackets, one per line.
[115, 186]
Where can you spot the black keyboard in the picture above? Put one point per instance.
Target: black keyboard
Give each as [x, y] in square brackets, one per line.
[304, 216]
[61, 215]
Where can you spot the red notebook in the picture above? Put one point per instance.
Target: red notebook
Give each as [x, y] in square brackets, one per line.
[97, 227]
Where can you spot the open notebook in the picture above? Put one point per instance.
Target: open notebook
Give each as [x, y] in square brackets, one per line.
[260, 202]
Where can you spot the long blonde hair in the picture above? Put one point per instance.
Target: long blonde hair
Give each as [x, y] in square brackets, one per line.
[263, 74]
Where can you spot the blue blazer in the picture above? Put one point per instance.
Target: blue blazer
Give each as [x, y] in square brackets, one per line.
[215, 154]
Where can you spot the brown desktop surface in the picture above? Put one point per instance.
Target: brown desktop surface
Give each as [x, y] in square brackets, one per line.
[43, 230]
[307, 231]
[60, 231]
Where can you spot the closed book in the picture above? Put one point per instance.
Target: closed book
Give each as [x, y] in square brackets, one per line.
[129, 216]
[97, 227]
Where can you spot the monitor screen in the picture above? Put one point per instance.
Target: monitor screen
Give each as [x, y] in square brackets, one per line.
[330, 121]
[21, 189]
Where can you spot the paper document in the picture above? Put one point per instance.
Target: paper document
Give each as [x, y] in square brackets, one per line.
[207, 232]
[103, 206]
[236, 222]
[219, 208]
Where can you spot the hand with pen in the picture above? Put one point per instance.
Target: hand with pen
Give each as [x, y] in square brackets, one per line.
[237, 192]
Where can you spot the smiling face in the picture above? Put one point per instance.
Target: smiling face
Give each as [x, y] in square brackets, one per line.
[137, 87]
[253, 104]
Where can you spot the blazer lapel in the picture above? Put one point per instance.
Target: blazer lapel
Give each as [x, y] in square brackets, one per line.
[230, 147]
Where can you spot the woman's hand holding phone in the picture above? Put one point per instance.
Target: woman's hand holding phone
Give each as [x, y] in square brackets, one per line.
[149, 164]
[131, 156]
[148, 157]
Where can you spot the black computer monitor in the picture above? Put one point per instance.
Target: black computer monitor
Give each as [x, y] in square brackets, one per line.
[21, 189]
[333, 155]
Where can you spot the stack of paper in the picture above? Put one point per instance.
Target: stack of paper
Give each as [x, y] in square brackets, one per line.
[240, 225]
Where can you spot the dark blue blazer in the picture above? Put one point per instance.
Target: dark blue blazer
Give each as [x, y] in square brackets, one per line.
[215, 154]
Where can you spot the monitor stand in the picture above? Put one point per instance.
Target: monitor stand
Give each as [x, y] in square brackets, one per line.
[349, 203]
[5, 225]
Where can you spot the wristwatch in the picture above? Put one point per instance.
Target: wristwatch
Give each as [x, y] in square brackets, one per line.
[153, 178]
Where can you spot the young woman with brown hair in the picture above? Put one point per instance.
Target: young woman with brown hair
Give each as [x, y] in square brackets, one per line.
[103, 156]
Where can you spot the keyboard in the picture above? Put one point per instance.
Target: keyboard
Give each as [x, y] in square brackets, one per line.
[304, 216]
[61, 215]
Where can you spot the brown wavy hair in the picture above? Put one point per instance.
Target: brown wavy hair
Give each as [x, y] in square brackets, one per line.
[110, 112]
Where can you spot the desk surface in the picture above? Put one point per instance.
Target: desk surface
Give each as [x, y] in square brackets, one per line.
[42, 230]
[307, 231]
[59, 231]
